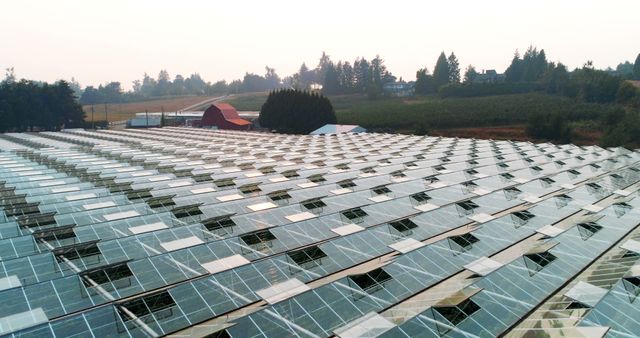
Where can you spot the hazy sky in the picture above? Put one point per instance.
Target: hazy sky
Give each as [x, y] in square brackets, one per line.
[101, 41]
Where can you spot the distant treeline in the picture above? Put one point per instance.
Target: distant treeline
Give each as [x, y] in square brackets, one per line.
[28, 105]
[533, 72]
[363, 76]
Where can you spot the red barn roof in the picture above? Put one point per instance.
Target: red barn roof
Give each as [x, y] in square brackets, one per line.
[224, 116]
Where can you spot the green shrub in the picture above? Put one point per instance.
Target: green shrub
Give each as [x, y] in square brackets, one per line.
[552, 126]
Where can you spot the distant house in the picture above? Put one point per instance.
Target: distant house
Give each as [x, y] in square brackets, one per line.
[489, 76]
[224, 116]
[399, 89]
[338, 129]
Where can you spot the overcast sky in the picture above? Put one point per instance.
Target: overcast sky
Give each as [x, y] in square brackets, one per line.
[101, 41]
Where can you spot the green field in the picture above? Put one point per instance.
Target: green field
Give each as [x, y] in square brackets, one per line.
[406, 114]
[247, 102]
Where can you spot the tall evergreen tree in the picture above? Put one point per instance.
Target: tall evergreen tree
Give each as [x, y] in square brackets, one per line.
[636, 68]
[361, 74]
[534, 64]
[331, 84]
[454, 68]
[441, 71]
[514, 72]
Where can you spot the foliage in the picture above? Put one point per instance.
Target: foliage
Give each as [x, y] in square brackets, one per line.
[596, 85]
[441, 73]
[550, 126]
[364, 77]
[424, 82]
[470, 74]
[626, 93]
[555, 80]
[27, 105]
[529, 68]
[443, 113]
[636, 68]
[625, 69]
[163, 86]
[294, 111]
[487, 89]
[622, 128]
[454, 69]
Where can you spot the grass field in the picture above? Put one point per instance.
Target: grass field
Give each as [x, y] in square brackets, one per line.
[247, 102]
[124, 111]
[496, 117]
[404, 114]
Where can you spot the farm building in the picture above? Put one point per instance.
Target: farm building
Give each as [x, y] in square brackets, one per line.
[338, 129]
[224, 116]
[144, 122]
[187, 232]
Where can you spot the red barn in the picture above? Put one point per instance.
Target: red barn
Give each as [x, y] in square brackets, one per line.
[224, 116]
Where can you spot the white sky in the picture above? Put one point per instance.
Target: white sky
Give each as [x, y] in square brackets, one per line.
[117, 40]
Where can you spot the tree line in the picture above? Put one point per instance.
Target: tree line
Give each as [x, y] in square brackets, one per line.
[33, 106]
[360, 77]
[532, 72]
[342, 77]
[529, 72]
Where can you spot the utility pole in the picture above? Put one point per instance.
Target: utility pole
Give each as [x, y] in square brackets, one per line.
[146, 111]
[93, 120]
[106, 114]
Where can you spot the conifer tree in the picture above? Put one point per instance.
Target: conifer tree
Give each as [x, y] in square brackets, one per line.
[294, 111]
[441, 71]
[636, 68]
[454, 68]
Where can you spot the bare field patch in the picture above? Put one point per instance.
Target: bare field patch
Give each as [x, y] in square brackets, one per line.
[124, 111]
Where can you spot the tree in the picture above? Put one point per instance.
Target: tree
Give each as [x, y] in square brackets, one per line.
[454, 68]
[303, 79]
[294, 111]
[441, 71]
[554, 126]
[534, 63]
[137, 86]
[347, 78]
[361, 74]
[636, 68]
[377, 70]
[555, 79]
[91, 96]
[424, 82]
[163, 85]
[331, 84]
[219, 87]
[28, 105]
[252, 83]
[178, 87]
[625, 69]
[514, 71]
[470, 74]
[271, 78]
[111, 92]
[626, 93]
[9, 75]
